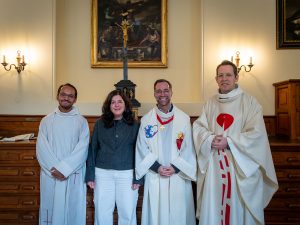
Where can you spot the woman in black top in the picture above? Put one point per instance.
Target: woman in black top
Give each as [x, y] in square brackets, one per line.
[110, 163]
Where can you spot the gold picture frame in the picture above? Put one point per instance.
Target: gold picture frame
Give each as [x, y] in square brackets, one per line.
[147, 33]
[287, 24]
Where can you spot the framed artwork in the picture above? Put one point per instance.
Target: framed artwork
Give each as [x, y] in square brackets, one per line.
[146, 33]
[287, 24]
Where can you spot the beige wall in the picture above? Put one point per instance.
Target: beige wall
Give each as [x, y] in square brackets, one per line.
[56, 36]
[27, 26]
[73, 56]
[238, 25]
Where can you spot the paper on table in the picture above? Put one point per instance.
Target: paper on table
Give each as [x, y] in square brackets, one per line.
[19, 137]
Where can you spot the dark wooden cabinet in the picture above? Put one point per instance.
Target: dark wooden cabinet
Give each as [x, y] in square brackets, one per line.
[20, 186]
[287, 108]
[284, 208]
[19, 183]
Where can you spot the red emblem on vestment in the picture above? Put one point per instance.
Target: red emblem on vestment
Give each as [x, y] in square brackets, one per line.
[225, 120]
[179, 140]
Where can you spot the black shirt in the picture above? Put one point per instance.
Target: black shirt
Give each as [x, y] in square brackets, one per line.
[112, 148]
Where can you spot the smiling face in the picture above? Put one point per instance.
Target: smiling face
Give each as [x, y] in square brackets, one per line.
[226, 79]
[163, 94]
[117, 107]
[66, 98]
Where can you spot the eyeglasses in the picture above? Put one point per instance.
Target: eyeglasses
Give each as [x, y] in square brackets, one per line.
[66, 95]
[159, 92]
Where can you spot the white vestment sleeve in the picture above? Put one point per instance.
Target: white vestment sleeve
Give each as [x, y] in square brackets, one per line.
[252, 143]
[44, 153]
[247, 165]
[78, 157]
[144, 157]
[186, 159]
[202, 141]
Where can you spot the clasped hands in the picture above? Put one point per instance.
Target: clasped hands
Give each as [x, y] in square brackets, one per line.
[56, 174]
[219, 142]
[166, 171]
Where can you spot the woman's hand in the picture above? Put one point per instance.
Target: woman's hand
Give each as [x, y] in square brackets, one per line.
[91, 184]
[135, 186]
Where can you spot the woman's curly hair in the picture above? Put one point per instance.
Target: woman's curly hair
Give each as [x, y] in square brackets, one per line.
[108, 116]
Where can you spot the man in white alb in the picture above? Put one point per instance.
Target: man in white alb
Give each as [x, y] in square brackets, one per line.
[62, 147]
[236, 177]
[165, 156]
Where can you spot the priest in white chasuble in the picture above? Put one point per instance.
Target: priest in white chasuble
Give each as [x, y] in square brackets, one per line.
[165, 157]
[236, 177]
[62, 148]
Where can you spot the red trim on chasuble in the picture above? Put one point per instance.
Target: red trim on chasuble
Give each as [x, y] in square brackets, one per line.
[229, 185]
[227, 215]
[223, 194]
[221, 165]
[226, 188]
[225, 120]
[226, 161]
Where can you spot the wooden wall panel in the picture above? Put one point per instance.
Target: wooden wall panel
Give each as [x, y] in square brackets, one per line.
[12, 125]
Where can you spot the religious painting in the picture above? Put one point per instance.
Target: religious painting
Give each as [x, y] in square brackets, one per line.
[138, 25]
[288, 24]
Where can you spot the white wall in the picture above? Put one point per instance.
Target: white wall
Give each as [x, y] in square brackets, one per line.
[56, 37]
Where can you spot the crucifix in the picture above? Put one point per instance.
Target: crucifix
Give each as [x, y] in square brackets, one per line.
[125, 85]
[124, 26]
[76, 173]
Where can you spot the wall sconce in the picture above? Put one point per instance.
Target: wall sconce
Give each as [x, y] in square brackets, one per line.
[20, 63]
[237, 63]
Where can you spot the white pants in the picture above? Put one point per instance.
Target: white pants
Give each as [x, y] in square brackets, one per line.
[114, 187]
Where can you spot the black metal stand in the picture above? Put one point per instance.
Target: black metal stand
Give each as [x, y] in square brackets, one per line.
[127, 86]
